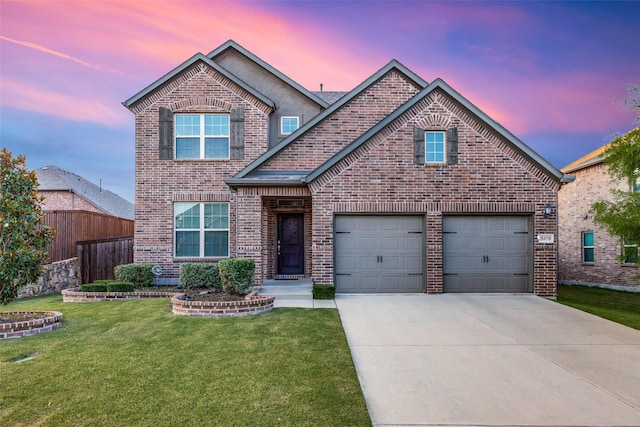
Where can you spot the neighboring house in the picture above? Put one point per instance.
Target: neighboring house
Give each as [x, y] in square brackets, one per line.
[587, 253]
[64, 190]
[399, 185]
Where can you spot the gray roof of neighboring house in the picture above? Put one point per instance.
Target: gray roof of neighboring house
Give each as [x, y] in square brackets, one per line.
[53, 178]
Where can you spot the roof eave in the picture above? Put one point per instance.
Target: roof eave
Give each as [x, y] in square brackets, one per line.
[233, 45]
[182, 67]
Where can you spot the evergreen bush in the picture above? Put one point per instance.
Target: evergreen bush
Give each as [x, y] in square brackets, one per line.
[120, 287]
[237, 275]
[200, 275]
[138, 274]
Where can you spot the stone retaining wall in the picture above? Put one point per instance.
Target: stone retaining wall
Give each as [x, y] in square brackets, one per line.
[56, 277]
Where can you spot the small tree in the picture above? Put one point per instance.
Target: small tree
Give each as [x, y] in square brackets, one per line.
[23, 237]
[621, 216]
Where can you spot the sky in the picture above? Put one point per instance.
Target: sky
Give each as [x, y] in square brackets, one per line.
[554, 73]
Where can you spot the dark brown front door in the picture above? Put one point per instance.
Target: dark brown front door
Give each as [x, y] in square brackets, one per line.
[290, 244]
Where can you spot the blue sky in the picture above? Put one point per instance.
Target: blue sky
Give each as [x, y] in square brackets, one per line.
[554, 73]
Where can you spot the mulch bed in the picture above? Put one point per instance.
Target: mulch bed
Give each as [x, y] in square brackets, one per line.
[208, 294]
[21, 316]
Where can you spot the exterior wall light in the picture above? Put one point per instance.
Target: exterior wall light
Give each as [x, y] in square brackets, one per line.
[547, 210]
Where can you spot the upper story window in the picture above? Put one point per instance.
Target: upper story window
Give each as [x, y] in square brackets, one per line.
[434, 145]
[289, 124]
[201, 229]
[202, 136]
[588, 246]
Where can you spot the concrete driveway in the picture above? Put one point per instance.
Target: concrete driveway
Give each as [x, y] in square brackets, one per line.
[494, 360]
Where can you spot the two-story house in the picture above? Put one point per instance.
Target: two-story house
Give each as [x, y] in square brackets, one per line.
[588, 253]
[400, 185]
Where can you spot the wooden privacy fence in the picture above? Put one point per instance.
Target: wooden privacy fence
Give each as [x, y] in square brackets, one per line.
[75, 226]
[98, 258]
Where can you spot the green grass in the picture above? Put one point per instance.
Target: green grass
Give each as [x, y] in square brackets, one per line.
[135, 363]
[621, 307]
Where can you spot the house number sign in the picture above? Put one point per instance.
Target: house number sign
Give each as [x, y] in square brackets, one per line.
[545, 238]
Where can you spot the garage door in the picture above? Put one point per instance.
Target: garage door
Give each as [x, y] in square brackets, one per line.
[376, 254]
[487, 254]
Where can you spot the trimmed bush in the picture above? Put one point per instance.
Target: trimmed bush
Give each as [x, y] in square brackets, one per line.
[324, 292]
[237, 275]
[200, 275]
[94, 287]
[120, 287]
[138, 274]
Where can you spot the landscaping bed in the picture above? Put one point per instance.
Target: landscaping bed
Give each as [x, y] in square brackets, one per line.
[17, 324]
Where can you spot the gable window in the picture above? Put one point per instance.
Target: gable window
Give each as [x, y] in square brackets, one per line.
[434, 147]
[201, 229]
[588, 246]
[288, 125]
[629, 252]
[202, 136]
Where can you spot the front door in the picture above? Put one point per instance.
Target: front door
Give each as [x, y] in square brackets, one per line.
[290, 245]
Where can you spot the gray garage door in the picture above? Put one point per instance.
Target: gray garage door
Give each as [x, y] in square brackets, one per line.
[487, 253]
[376, 254]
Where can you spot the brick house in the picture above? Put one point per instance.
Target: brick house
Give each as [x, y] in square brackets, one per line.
[399, 185]
[65, 191]
[587, 253]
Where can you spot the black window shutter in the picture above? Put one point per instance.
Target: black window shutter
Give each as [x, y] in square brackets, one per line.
[452, 146]
[166, 134]
[418, 146]
[236, 136]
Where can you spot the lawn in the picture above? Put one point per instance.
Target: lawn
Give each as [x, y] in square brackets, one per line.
[132, 363]
[621, 307]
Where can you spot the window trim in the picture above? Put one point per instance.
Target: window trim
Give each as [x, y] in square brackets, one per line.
[624, 255]
[202, 136]
[444, 148]
[283, 118]
[202, 230]
[584, 247]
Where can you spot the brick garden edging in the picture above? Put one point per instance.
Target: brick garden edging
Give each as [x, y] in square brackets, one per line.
[252, 304]
[24, 328]
[75, 295]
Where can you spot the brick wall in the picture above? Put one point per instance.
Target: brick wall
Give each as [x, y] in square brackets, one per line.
[489, 178]
[66, 200]
[575, 200]
[160, 183]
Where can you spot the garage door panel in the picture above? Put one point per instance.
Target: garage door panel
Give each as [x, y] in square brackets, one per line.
[387, 250]
[487, 253]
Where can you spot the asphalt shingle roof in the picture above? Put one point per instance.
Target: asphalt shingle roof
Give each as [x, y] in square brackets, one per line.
[53, 178]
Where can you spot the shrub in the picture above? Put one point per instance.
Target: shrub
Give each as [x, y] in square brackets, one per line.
[138, 274]
[120, 287]
[324, 292]
[94, 287]
[200, 275]
[237, 275]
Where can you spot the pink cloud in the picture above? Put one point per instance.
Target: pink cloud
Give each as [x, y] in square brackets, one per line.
[18, 95]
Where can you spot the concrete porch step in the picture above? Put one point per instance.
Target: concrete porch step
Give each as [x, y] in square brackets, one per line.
[289, 293]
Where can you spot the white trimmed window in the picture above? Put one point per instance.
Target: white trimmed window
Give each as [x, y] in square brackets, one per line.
[289, 124]
[201, 229]
[202, 136]
[434, 147]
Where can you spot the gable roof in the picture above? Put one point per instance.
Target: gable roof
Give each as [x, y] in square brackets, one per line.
[438, 83]
[230, 44]
[242, 176]
[53, 178]
[185, 65]
[590, 159]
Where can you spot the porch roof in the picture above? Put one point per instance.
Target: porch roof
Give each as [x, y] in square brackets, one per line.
[273, 177]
